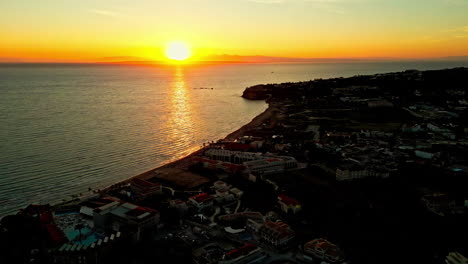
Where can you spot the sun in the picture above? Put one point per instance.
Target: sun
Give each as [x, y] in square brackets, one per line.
[178, 50]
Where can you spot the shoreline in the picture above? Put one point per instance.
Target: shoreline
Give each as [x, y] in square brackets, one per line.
[255, 122]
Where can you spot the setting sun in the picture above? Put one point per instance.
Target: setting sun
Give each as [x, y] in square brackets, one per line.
[178, 50]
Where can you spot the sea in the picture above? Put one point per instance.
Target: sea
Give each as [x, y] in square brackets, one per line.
[69, 129]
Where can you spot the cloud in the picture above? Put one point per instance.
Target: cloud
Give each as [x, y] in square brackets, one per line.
[461, 29]
[327, 5]
[121, 58]
[107, 13]
[451, 34]
[292, 1]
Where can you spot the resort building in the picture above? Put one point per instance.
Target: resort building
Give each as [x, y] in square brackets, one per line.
[218, 165]
[236, 157]
[271, 165]
[133, 217]
[223, 196]
[276, 233]
[248, 253]
[219, 154]
[255, 163]
[201, 201]
[439, 203]
[179, 205]
[208, 254]
[87, 208]
[220, 185]
[142, 189]
[347, 173]
[288, 204]
[237, 193]
[324, 250]
[255, 216]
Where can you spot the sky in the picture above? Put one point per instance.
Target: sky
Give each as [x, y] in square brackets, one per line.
[118, 30]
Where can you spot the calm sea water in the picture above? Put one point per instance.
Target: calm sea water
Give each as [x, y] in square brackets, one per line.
[65, 129]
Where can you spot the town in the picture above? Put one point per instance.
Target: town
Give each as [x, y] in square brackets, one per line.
[366, 169]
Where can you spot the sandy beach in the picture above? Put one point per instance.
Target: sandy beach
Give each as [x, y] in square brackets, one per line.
[255, 122]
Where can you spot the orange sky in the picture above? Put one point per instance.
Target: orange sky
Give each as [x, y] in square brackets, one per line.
[117, 30]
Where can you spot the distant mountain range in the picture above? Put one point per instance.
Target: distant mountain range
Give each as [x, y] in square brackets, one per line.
[229, 59]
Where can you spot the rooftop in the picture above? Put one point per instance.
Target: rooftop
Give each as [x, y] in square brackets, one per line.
[324, 246]
[128, 210]
[242, 251]
[202, 197]
[144, 183]
[288, 200]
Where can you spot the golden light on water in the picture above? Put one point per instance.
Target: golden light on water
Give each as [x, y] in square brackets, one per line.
[183, 115]
[178, 51]
[181, 109]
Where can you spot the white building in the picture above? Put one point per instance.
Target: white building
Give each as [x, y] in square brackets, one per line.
[219, 154]
[178, 204]
[220, 185]
[236, 157]
[288, 204]
[115, 216]
[325, 250]
[248, 253]
[238, 193]
[275, 233]
[202, 200]
[255, 162]
[271, 165]
[346, 174]
[142, 188]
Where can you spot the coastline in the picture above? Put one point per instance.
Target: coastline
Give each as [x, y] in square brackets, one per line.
[255, 122]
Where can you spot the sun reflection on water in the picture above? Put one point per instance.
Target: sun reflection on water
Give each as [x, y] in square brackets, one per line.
[181, 111]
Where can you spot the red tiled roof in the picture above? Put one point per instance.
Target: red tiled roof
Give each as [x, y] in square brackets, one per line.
[46, 217]
[140, 210]
[279, 229]
[201, 198]
[244, 250]
[273, 159]
[288, 200]
[55, 234]
[95, 203]
[178, 201]
[323, 245]
[144, 183]
[249, 215]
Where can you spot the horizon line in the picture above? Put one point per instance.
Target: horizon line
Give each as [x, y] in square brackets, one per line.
[254, 59]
